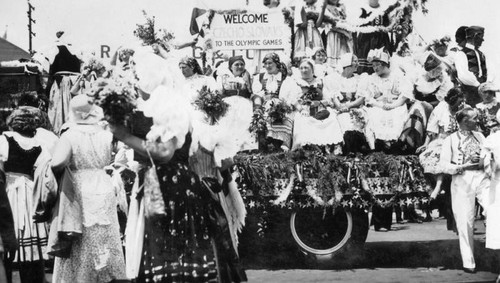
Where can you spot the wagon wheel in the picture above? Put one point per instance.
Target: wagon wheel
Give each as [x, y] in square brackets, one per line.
[322, 233]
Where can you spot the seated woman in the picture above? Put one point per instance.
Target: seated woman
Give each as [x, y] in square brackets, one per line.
[267, 87]
[386, 94]
[236, 89]
[433, 83]
[194, 78]
[430, 87]
[315, 123]
[344, 90]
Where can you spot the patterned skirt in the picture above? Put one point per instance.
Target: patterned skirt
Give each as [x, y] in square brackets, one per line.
[177, 246]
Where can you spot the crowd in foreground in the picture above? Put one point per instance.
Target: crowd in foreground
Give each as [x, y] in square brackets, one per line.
[183, 209]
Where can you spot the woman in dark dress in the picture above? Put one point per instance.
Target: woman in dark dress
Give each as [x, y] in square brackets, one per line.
[19, 152]
[178, 245]
[373, 40]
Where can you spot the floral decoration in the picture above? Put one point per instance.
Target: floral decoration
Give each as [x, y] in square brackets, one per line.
[211, 103]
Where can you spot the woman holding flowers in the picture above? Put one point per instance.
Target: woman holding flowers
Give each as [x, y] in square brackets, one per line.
[315, 123]
[194, 78]
[267, 86]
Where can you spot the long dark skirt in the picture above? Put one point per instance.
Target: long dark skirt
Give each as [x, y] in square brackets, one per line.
[177, 246]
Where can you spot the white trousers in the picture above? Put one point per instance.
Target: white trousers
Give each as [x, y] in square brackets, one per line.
[464, 190]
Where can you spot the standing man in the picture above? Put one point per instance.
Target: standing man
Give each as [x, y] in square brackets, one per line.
[460, 158]
[471, 65]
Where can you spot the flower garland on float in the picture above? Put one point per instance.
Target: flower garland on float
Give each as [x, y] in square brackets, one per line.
[310, 178]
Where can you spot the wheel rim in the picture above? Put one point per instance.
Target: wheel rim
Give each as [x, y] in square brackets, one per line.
[323, 251]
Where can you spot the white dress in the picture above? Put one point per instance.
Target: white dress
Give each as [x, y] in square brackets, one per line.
[386, 124]
[491, 152]
[96, 256]
[195, 83]
[307, 129]
[237, 93]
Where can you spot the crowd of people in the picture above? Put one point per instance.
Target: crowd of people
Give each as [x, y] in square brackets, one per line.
[68, 173]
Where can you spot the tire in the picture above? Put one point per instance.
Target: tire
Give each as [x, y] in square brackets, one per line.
[320, 233]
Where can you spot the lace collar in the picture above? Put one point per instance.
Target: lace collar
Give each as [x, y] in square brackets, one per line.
[314, 83]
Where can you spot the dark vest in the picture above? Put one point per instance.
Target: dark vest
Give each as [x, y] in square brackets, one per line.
[474, 64]
[263, 82]
[21, 160]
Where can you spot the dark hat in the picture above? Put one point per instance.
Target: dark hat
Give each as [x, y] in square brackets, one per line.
[473, 31]
[431, 62]
[233, 59]
[460, 33]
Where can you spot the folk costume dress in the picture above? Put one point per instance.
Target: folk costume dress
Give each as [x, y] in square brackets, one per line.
[377, 18]
[432, 91]
[63, 73]
[307, 128]
[386, 125]
[466, 186]
[307, 38]
[97, 255]
[268, 87]
[19, 155]
[237, 92]
[177, 244]
[353, 123]
[338, 41]
[442, 123]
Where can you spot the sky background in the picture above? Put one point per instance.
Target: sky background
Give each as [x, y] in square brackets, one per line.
[91, 23]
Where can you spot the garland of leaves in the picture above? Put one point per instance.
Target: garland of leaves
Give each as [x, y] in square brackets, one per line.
[258, 125]
[330, 180]
[147, 33]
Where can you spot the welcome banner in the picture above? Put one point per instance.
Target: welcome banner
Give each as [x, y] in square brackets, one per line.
[251, 30]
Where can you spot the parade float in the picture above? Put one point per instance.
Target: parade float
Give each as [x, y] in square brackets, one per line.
[325, 199]
[18, 74]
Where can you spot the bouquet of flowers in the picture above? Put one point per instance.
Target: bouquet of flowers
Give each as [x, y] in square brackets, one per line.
[117, 98]
[278, 111]
[94, 65]
[258, 125]
[150, 36]
[311, 94]
[211, 103]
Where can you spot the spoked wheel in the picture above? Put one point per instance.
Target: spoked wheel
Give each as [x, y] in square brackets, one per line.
[323, 232]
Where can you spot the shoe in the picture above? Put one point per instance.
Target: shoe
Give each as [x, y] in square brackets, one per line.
[498, 279]
[469, 270]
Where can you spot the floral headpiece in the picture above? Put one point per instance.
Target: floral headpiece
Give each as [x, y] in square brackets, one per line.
[378, 55]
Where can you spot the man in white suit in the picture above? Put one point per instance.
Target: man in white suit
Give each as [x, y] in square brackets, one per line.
[460, 157]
